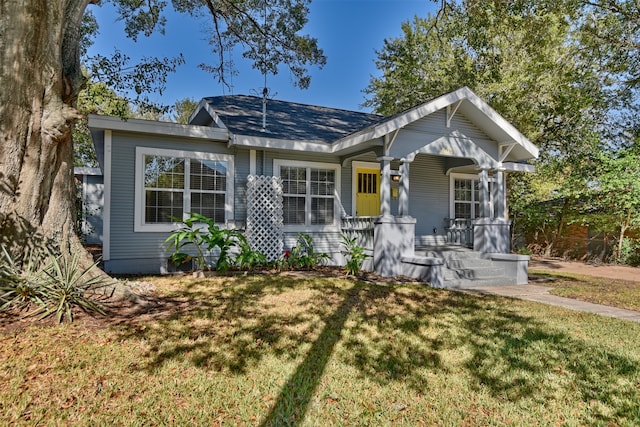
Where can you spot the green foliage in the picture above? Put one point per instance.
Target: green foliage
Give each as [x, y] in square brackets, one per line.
[66, 285]
[564, 73]
[629, 252]
[95, 98]
[202, 233]
[303, 254]
[615, 190]
[16, 291]
[269, 34]
[55, 288]
[248, 259]
[355, 254]
[183, 109]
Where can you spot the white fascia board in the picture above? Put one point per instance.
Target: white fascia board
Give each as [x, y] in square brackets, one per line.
[518, 167]
[215, 117]
[279, 144]
[157, 128]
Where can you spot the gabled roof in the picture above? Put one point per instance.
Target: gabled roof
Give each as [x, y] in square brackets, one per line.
[242, 115]
[328, 130]
[462, 101]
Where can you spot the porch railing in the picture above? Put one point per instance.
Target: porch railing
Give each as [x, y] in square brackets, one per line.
[360, 227]
[459, 231]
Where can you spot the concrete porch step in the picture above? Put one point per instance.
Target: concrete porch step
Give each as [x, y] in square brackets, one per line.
[470, 283]
[468, 263]
[476, 273]
[464, 267]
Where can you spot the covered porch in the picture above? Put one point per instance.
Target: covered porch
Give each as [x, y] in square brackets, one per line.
[473, 241]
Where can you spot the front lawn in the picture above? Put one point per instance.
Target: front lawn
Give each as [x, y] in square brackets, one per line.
[613, 292]
[281, 350]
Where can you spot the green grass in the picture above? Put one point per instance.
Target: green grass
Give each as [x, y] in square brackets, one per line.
[277, 350]
[616, 293]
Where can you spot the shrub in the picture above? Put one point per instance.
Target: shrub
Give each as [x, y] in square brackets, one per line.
[355, 254]
[248, 258]
[630, 252]
[66, 285]
[202, 232]
[303, 254]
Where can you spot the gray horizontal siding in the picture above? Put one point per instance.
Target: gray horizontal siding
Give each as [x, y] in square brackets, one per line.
[428, 194]
[241, 162]
[144, 247]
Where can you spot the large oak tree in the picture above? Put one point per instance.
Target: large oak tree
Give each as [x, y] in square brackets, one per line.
[40, 79]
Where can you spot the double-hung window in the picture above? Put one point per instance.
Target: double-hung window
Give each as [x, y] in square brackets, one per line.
[170, 184]
[465, 196]
[309, 192]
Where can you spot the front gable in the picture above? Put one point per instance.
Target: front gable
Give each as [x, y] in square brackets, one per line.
[459, 117]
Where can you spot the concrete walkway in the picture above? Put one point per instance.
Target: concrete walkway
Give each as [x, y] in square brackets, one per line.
[541, 294]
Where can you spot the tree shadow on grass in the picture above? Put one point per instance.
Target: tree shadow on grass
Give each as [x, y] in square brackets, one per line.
[388, 334]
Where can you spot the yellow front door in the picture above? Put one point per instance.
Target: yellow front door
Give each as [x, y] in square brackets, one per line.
[367, 192]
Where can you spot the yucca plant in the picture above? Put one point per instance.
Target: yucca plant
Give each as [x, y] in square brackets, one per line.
[17, 289]
[66, 285]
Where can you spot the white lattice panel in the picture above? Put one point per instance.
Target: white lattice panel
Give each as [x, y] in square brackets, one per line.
[265, 227]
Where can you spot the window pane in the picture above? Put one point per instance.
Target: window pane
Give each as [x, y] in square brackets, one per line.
[322, 211]
[463, 210]
[476, 191]
[463, 189]
[294, 180]
[208, 175]
[163, 172]
[293, 210]
[322, 182]
[161, 206]
[210, 205]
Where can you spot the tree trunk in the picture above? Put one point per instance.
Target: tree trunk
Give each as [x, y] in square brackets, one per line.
[40, 79]
[559, 230]
[623, 230]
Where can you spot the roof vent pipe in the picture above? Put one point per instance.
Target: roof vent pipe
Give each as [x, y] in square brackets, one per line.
[265, 91]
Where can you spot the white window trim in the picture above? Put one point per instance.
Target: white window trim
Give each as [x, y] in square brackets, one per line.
[452, 195]
[139, 225]
[337, 205]
[354, 179]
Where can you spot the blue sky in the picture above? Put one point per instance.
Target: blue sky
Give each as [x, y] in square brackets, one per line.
[349, 32]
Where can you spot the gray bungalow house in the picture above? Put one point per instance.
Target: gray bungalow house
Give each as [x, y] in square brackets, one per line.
[423, 190]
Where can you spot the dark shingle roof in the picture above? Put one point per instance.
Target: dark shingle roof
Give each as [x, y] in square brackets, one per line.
[242, 115]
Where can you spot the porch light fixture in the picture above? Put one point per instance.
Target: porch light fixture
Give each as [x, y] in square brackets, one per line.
[395, 177]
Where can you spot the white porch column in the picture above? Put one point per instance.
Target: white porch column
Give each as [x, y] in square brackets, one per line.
[403, 196]
[499, 195]
[483, 190]
[385, 185]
